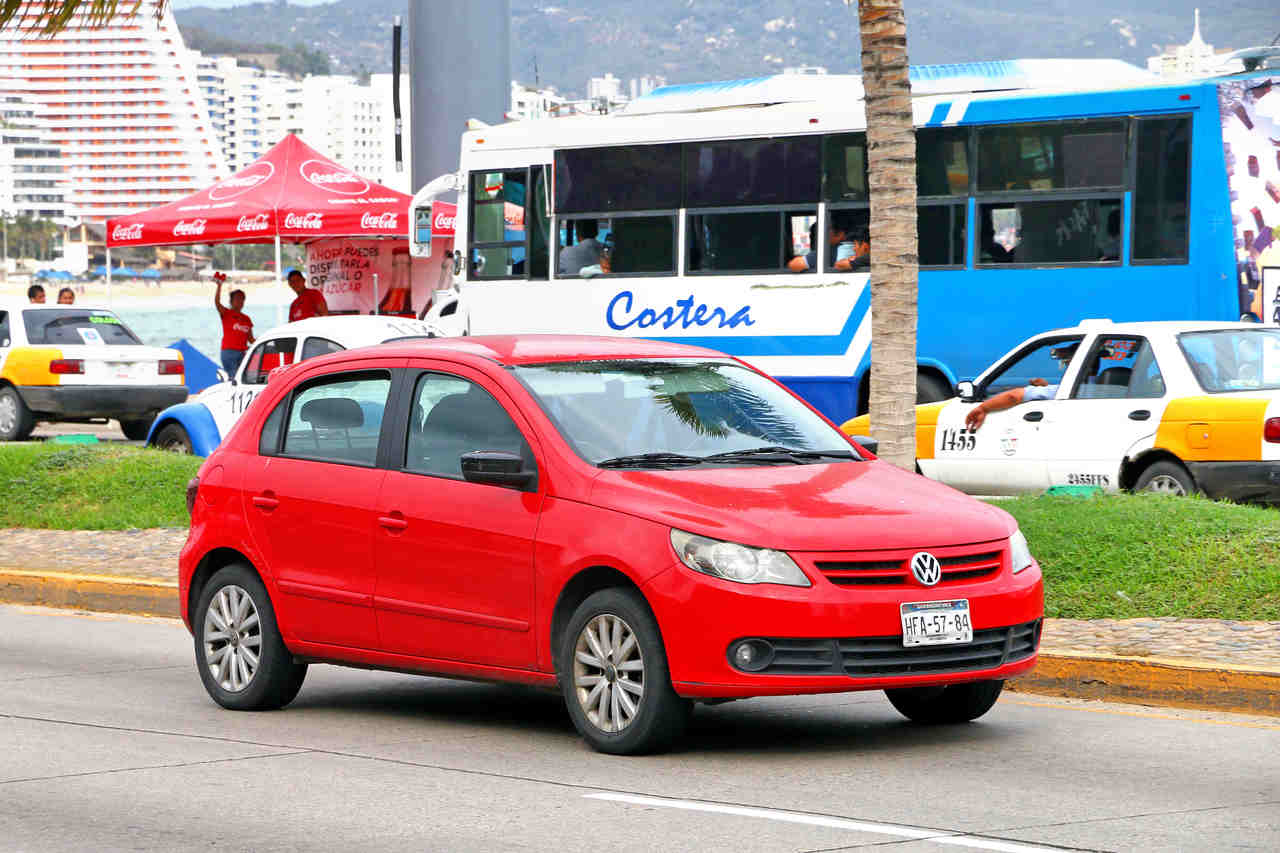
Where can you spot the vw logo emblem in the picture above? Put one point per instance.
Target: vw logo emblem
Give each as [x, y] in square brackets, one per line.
[926, 568]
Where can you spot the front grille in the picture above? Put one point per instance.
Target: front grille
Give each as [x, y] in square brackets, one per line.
[882, 657]
[897, 572]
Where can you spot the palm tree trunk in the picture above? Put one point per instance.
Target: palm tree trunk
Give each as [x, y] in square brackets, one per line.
[891, 161]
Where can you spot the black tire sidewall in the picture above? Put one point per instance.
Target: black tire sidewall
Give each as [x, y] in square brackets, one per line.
[277, 678]
[661, 716]
[1171, 469]
[176, 433]
[955, 703]
[25, 421]
[136, 430]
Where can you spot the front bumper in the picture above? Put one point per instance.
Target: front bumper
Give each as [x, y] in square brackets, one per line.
[124, 402]
[851, 637]
[1238, 481]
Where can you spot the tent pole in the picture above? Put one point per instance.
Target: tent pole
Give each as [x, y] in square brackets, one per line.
[375, 294]
[108, 276]
[233, 258]
[280, 280]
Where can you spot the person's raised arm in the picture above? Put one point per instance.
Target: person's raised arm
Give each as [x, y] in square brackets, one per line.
[218, 279]
[1006, 400]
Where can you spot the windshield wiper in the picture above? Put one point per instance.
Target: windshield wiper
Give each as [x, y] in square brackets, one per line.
[779, 454]
[649, 460]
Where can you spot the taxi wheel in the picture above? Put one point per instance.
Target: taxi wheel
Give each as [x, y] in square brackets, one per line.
[242, 659]
[614, 676]
[1166, 478]
[174, 439]
[136, 430]
[16, 420]
[952, 703]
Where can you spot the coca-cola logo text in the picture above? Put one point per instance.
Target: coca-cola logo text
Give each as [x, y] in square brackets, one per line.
[194, 228]
[261, 222]
[321, 174]
[127, 232]
[444, 223]
[255, 175]
[309, 221]
[375, 220]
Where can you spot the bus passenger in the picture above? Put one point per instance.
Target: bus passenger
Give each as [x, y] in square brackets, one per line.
[855, 255]
[584, 253]
[839, 245]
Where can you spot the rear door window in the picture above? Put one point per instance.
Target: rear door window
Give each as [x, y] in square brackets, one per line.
[76, 326]
[1120, 367]
[338, 418]
[319, 346]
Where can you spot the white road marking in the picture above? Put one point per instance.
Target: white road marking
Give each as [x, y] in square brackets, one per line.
[934, 836]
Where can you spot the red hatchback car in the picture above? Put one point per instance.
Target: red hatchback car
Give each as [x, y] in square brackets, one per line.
[640, 524]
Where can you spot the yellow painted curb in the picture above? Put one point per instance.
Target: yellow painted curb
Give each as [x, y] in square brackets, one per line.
[1202, 685]
[112, 594]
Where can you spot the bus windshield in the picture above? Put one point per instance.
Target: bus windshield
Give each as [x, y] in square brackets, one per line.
[679, 413]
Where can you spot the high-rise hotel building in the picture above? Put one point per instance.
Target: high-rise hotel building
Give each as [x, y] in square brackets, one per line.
[122, 103]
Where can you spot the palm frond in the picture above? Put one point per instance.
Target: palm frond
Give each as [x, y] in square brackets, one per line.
[51, 17]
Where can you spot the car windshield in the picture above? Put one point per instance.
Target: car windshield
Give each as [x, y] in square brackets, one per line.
[76, 326]
[677, 413]
[1234, 359]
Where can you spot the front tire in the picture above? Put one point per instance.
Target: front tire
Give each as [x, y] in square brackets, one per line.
[173, 438]
[136, 430]
[614, 676]
[952, 703]
[242, 659]
[1165, 478]
[16, 420]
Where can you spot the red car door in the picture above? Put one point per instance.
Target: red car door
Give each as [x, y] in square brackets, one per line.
[310, 500]
[455, 558]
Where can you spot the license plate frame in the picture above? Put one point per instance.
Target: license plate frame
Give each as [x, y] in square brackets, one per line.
[936, 623]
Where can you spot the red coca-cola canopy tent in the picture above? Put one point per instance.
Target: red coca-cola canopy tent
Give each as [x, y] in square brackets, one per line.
[292, 193]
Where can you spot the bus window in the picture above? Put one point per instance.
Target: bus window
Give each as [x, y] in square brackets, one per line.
[1053, 156]
[631, 178]
[940, 230]
[509, 229]
[1065, 231]
[1162, 190]
[844, 167]
[752, 172]
[620, 245]
[753, 241]
[942, 161]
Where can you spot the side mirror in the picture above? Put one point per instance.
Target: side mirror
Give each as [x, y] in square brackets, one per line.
[867, 443]
[965, 391]
[498, 468]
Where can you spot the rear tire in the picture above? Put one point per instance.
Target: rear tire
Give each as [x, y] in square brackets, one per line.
[931, 389]
[173, 438]
[136, 430]
[16, 420]
[952, 703]
[1165, 478]
[241, 657]
[647, 716]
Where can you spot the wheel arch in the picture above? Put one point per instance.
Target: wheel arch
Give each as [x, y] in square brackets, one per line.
[196, 419]
[576, 590]
[1132, 468]
[209, 565]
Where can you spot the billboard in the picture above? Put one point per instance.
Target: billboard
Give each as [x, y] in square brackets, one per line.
[1250, 114]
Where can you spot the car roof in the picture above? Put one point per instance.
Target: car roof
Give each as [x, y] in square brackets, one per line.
[351, 330]
[515, 350]
[1171, 327]
[14, 306]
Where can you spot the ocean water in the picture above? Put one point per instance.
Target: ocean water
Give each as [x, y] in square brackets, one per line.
[199, 324]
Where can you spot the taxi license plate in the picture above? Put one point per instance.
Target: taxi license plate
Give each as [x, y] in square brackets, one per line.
[936, 623]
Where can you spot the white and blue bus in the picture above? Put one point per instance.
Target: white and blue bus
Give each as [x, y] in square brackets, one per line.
[1039, 203]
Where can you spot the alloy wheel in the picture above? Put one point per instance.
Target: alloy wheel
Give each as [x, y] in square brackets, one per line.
[232, 638]
[8, 414]
[1163, 484]
[608, 672]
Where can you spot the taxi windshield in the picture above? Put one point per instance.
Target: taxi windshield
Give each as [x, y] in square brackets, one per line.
[679, 413]
[1234, 359]
[75, 326]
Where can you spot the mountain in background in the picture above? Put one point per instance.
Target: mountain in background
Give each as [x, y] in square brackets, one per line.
[699, 40]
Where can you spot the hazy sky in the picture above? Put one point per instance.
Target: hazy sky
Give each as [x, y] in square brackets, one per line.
[222, 4]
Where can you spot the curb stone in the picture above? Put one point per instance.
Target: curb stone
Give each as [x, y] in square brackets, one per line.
[1181, 683]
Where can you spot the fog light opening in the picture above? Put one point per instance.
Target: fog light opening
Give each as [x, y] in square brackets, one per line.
[751, 655]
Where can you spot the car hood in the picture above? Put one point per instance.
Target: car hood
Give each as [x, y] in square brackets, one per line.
[844, 506]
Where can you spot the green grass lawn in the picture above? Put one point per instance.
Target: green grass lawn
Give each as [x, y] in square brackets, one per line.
[93, 487]
[1124, 556]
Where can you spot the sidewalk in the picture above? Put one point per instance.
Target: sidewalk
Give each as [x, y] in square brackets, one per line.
[1195, 663]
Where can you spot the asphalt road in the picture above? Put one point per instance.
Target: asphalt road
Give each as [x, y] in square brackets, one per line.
[108, 742]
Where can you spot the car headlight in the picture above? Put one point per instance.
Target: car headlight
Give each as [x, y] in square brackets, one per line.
[733, 562]
[1019, 553]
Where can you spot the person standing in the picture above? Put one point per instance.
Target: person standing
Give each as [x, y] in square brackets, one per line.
[66, 296]
[237, 328]
[310, 301]
[35, 293]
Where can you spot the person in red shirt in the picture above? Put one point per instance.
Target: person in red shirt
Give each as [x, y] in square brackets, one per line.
[237, 328]
[310, 301]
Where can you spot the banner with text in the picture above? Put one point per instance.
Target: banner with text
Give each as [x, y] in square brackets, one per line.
[344, 270]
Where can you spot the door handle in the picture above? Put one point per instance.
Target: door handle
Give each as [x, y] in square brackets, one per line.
[393, 523]
[265, 502]
[1033, 416]
[1139, 415]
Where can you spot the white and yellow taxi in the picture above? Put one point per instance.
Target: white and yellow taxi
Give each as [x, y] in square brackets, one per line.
[80, 363]
[1163, 407]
